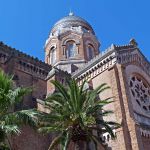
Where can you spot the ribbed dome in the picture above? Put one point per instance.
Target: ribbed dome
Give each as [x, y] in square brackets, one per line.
[72, 21]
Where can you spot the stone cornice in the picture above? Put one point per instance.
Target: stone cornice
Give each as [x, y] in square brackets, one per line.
[125, 54]
[123, 47]
[70, 61]
[134, 56]
[104, 60]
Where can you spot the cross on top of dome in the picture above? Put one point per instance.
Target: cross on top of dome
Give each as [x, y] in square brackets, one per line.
[71, 13]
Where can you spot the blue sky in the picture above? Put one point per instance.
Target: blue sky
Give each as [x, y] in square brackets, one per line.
[25, 24]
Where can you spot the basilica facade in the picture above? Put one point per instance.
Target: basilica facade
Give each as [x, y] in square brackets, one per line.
[72, 50]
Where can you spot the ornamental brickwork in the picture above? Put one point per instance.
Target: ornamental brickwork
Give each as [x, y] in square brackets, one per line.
[72, 51]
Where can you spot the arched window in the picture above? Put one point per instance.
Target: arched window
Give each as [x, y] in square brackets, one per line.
[52, 55]
[90, 52]
[71, 49]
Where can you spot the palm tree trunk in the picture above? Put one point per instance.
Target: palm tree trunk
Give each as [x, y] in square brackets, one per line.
[79, 145]
[91, 145]
[87, 145]
[9, 143]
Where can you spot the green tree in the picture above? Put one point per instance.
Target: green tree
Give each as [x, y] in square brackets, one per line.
[74, 114]
[10, 120]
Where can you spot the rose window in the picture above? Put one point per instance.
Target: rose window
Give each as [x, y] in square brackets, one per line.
[141, 92]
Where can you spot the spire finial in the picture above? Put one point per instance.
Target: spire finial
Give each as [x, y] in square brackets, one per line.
[133, 42]
[71, 13]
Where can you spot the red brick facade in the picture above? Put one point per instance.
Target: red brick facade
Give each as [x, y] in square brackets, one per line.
[123, 68]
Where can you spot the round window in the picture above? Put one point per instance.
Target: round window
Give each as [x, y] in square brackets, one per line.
[140, 91]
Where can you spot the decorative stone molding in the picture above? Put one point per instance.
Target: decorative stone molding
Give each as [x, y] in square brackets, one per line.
[50, 40]
[145, 133]
[93, 44]
[125, 55]
[77, 41]
[128, 57]
[124, 47]
[32, 69]
[53, 45]
[97, 65]
[93, 39]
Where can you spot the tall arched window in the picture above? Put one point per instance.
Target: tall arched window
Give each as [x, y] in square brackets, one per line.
[52, 55]
[71, 49]
[90, 52]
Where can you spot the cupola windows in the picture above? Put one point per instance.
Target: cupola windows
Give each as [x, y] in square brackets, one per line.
[90, 52]
[71, 49]
[52, 55]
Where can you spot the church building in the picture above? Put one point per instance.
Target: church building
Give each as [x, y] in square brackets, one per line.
[72, 50]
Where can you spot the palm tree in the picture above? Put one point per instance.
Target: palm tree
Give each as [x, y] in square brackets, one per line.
[11, 120]
[75, 113]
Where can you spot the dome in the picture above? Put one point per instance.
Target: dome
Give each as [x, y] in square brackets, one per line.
[72, 21]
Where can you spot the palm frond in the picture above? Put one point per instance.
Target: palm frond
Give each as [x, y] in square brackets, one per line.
[49, 129]
[6, 81]
[55, 142]
[15, 96]
[27, 116]
[61, 89]
[76, 112]
[66, 141]
[105, 113]
[107, 126]
[10, 121]
[10, 129]
[20, 117]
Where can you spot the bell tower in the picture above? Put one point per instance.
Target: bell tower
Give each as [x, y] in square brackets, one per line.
[71, 43]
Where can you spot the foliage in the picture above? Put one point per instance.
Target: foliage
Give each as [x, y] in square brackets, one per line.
[75, 114]
[11, 120]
